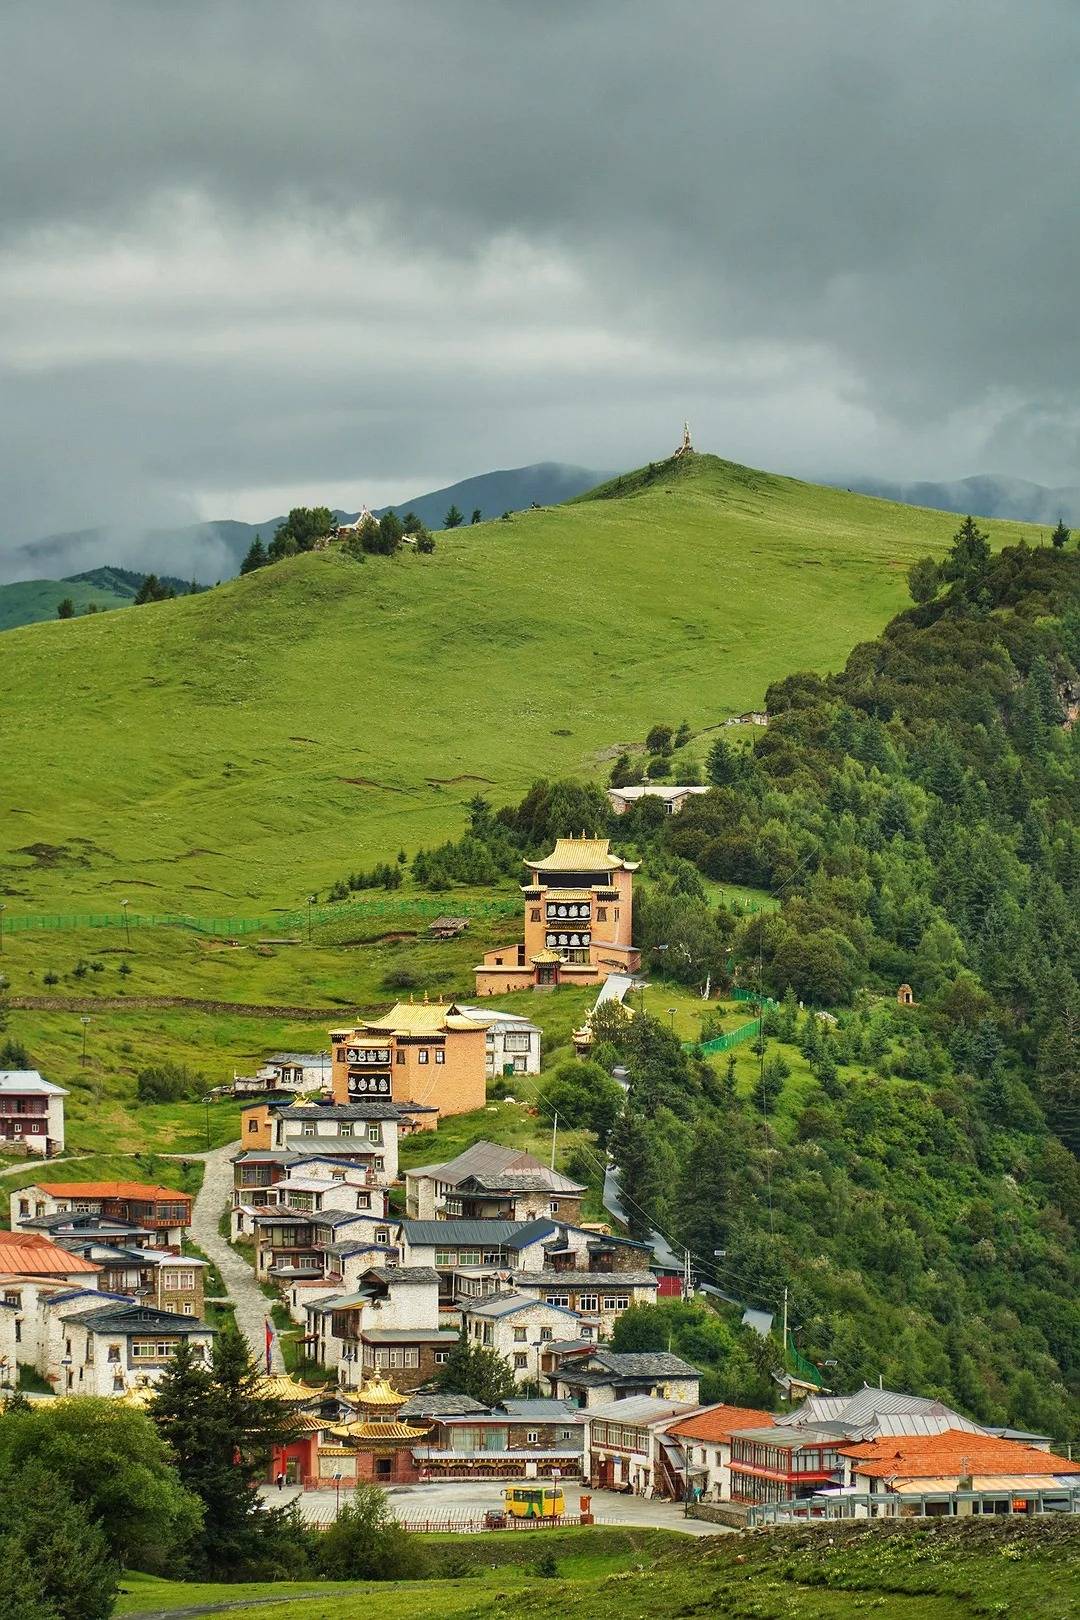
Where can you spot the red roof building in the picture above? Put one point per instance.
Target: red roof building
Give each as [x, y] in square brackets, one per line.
[162, 1210]
[28, 1254]
[698, 1449]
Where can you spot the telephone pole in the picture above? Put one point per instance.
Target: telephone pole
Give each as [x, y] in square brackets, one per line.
[554, 1129]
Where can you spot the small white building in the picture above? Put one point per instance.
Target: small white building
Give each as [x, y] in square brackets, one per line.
[31, 1112]
[508, 1245]
[512, 1043]
[387, 1298]
[289, 1071]
[671, 796]
[518, 1327]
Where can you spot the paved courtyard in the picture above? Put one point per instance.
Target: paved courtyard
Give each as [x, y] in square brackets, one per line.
[445, 1503]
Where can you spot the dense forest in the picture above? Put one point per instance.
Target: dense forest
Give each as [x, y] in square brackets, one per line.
[918, 818]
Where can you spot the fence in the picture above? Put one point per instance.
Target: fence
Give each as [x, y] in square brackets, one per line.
[724, 1043]
[235, 927]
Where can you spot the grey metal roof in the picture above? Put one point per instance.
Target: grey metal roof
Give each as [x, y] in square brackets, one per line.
[521, 1181]
[371, 1108]
[475, 1234]
[646, 1363]
[875, 1411]
[29, 1081]
[514, 1021]
[440, 1336]
[564, 1453]
[400, 1276]
[141, 1319]
[498, 1305]
[639, 1409]
[439, 1404]
[791, 1438]
[543, 1410]
[578, 1279]
[479, 1159]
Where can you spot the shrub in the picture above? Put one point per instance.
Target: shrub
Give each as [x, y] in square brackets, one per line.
[367, 1543]
[169, 1082]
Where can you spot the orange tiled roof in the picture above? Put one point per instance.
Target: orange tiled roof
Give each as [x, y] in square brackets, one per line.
[108, 1189]
[719, 1422]
[955, 1451]
[28, 1254]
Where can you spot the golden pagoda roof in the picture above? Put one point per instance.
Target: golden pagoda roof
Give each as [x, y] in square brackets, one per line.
[378, 1391]
[279, 1386]
[378, 1431]
[569, 894]
[583, 855]
[424, 1018]
[543, 957]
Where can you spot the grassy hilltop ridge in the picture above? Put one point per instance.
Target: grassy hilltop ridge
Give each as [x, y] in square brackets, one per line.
[243, 747]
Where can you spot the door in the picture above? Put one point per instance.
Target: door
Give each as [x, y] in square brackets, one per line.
[292, 1470]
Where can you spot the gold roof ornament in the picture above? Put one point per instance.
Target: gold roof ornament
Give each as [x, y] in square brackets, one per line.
[378, 1391]
[281, 1387]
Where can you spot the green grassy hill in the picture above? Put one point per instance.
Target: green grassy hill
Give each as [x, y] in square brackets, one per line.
[30, 601]
[246, 746]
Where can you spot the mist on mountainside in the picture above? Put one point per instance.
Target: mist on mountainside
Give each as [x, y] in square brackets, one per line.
[985, 495]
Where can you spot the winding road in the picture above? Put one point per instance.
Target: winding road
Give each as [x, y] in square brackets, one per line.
[251, 1306]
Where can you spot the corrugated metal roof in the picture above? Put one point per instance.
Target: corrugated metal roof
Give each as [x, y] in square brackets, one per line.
[481, 1234]
[29, 1081]
[28, 1254]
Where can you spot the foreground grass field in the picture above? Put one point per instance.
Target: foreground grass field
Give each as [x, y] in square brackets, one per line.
[243, 748]
[905, 1571]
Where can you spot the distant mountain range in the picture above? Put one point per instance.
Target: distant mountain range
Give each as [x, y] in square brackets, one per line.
[214, 550]
[984, 496]
[29, 601]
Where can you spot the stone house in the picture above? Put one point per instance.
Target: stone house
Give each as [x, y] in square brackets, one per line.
[597, 1298]
[409, 1357]
[506, 1246]
[596, 1376]
[387, 1297]
[431, 1190]
[117, 1345]
[517, 1326]
[511, 1045]
[364, 1129]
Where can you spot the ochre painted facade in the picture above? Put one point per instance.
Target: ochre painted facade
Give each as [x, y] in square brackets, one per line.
[578, 922]
[417, 1053]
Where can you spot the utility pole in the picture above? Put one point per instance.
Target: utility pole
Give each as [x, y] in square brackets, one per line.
[688, 1276]
[85, 1022]
[2, 910]
[554, 1128]
[127, 925]
[310, 903]
[785, 1320]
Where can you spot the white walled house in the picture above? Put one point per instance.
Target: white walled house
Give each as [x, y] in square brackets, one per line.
[604, 1375]
[431, 1189]
[117, 1346]
[31, 1113]
[387, 1298]
[622, 1441]
[518, 1327]
[510, 1245]
[597, 1298]
[370, 1128]
[512, 1043]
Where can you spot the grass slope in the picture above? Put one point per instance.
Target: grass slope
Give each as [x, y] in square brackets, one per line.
[249, 745]
[30, 601]
[949, 1570]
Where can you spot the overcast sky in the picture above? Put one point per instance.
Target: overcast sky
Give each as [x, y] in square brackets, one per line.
[254, 252]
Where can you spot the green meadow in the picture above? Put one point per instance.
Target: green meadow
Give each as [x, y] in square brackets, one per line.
[238, 750]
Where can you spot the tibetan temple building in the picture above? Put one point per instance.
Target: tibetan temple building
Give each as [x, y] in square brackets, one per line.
[578, 919]
[427, 1054]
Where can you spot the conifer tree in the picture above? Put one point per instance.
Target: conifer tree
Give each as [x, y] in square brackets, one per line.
[1061, 535]
[256, 556]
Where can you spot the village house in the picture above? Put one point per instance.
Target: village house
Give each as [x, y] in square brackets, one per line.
[428, 1058]
[386, 1297]
[516, 1326]
[670, 795]
[578, 916]
[364, 1131]
[31, 1113]
[163, 1211]
[594, 1375]
[621, 1442]
[313, 1189]
[172, 1282]
[410, 1357]
[507, 1247]
[9, 1344]
[512, 1043]
[292, 1071]
[431, 1190]
[515, 1195]
[109, 1348]
[703, 1442]
[292, 1246]
[956, 1472]
[586, 1248]
[597, 1298]
[259, 1172]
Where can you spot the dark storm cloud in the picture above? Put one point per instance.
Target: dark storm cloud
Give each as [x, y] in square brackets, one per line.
[245, 246]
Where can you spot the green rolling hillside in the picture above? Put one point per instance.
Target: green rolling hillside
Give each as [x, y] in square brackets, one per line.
[240, 748]
[30, 601]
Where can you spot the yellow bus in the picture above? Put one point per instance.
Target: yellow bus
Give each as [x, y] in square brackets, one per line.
[534, 1501]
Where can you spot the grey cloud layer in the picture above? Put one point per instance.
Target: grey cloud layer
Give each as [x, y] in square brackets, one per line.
[249, 243]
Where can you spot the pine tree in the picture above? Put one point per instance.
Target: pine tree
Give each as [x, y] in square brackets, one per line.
[969, 558]
[65, 609]
[256, 556]
[477, 516]
[221, 1429]
[639, 1183]
[453, 519]
[1061, 535]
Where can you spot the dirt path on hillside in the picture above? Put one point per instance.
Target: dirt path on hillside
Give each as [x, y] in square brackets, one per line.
[251, 1305]
[239, 1009]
